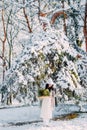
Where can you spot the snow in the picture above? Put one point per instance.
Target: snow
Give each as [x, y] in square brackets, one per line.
[44, 42]
[22, 118]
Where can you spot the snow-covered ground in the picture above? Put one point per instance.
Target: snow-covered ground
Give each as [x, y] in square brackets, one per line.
[27, 118]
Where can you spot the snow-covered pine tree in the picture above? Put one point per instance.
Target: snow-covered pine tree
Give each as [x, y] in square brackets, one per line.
[47, 54]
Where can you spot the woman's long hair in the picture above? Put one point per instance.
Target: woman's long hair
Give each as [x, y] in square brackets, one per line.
[49, 88]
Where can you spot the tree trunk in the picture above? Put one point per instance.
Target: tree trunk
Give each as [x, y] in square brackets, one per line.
[10, 56]
[57, 14]
[64, 20]
[85, 25]
[39, 10]
[3, 42]
[3, 50]
[27, 19]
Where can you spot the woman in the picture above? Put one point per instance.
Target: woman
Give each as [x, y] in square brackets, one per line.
[47, 105]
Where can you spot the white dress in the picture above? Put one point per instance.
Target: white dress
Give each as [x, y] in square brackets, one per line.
[46, 108]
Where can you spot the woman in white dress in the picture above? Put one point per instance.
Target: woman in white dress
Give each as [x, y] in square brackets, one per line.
[47, 105]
